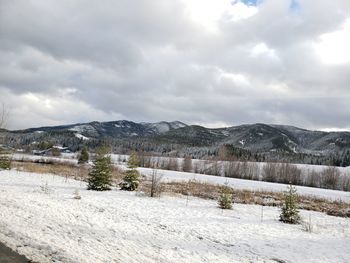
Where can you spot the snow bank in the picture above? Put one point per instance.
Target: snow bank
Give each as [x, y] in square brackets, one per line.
[40, 218]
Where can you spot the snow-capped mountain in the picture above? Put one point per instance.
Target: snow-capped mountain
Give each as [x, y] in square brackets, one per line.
[164, 137]
[112, 129]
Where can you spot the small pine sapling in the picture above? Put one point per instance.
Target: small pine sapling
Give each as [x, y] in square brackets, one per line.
[131, 179]
[100, 177]
[83, 156]
[5, 162]
[225, 198]
[290, 212]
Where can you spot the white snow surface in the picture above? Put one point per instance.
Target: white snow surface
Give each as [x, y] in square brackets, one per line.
[80, 136]
[249, 184]
[49, 225]
[65, 158]
[170, 176]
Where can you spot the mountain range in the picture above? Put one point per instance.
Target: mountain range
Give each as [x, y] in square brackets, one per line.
[169, 136]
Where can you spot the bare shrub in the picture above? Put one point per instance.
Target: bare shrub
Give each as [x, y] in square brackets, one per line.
[196, 168]
[156, 184]
[244, 170]
[288, 173]
[313, 179]
[77, 194]
[249, 170]
[173, 164]
[232, 169]
[330, 177]
[308, 225]
[346, 183]
[200, 167]
[46, 189]
[254, 171]
[187, 164]
[214, 168]
[269, 172]
[144, 159]
[55, 152]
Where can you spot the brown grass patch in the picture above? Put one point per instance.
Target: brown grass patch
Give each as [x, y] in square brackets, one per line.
[69, 170]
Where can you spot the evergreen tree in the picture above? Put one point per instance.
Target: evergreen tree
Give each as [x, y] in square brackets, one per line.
[290, 212]
[5, 162]
[100, 177]
[225, 198]
[131, 179]
[84, 156]
[133, 161]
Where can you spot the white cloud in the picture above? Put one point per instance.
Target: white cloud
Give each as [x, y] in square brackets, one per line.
[334, 48]
[33, 110]
[198, 61]
[208, 13]
[262, 49]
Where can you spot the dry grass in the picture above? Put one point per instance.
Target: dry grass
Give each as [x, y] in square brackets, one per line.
[69, 170]
[193, 188]
[209, 191]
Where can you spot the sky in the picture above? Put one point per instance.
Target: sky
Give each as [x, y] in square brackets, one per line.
[210, 62]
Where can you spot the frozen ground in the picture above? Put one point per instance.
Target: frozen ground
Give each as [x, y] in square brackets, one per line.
[40, 218]
[235, 183]
[249, 184]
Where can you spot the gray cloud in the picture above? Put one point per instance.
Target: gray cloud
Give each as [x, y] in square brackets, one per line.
[73, 61]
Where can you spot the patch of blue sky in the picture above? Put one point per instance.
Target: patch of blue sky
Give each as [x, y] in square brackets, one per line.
[294, 4]
[250, 2]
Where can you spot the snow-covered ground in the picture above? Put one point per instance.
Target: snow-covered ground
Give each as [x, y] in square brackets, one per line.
[251, 185]
[170, 176]
[40, 218]
[305, 168]
[64, 158]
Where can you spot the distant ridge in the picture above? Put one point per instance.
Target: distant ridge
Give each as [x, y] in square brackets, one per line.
[167, 137]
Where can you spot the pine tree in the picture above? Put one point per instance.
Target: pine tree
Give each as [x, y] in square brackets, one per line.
[225, 198]
[131, 179]
[100, 177]
[5, 162]
[290, 212]
[84, 156]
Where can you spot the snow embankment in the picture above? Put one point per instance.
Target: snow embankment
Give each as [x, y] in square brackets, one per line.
[40, 218]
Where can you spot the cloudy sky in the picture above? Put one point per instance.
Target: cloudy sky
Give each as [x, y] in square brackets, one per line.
[210, 62]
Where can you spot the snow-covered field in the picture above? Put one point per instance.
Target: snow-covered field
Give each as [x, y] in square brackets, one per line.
[249, 184]
[65, 158]
[170, 176]
[305, 168]
[40, 218]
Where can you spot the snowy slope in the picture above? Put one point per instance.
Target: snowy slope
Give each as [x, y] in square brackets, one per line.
[120, 226]
[235, 183]
[250, 184]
